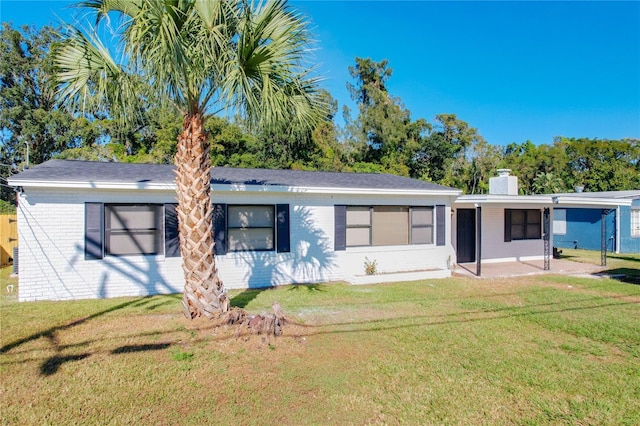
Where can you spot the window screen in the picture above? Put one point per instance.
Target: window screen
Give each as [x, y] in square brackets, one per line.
[422, 225]
[523, 224]
[560, 221]
[390, 225]
[358, 226]
[133, 229]
[250, 228]
[635, 222]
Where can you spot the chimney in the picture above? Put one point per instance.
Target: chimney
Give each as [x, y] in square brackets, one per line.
[504, 184]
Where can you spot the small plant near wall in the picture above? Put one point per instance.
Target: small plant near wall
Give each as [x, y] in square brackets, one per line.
[370, 266]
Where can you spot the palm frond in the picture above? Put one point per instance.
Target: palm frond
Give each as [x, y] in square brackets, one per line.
[88, 78]
[267, 80]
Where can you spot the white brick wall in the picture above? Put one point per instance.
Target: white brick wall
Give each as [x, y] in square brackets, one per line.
[51, 244]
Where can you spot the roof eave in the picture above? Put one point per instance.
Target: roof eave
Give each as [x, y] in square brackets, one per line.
[591, 201]
[228, 188]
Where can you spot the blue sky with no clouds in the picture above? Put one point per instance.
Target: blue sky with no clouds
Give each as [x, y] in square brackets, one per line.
[516, 70]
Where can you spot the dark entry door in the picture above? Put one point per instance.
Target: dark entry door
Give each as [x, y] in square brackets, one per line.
[466, 238]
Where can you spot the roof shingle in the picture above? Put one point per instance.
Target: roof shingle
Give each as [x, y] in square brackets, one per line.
[65, 171]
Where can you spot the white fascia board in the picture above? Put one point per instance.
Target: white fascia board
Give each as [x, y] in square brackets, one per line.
[329, 190]
[229, 188]
[92, 185]
[504, 199]
[594, 202]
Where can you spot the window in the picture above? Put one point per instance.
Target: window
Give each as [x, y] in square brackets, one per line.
[250, 228]
[560, 221]
[150, 229]
[522, 225]
[132, 229]
[358, 226]
[422, 225]
[635, 222]
[388, 225]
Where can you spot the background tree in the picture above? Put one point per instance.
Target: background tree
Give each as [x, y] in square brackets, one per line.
[604, 165]
[382, 136]
[202, 56]
[30, 121]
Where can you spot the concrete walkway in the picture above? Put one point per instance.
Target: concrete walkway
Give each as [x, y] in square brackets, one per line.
[530, 267]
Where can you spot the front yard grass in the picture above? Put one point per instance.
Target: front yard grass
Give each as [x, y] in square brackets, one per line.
[626, 264]
[531, 350]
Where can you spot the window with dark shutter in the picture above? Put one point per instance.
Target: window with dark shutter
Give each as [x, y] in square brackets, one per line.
[93, 231]
[340, 220]
[441, 236]
[282, 228]
[220, 228]
[171, 236]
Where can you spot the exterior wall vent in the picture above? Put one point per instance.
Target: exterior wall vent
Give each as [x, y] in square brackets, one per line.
[15, 261]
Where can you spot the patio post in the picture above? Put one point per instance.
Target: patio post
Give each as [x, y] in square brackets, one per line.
[478, 240]
[603, 238]
[546, 236]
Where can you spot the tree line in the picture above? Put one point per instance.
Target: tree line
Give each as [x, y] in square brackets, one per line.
[380, 136]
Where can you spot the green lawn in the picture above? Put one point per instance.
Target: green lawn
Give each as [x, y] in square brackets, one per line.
[532, 350]
[623, 263]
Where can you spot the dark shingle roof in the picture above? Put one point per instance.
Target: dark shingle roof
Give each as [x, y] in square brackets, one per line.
[89, 171]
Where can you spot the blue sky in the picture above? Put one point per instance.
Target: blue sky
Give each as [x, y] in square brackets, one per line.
[517, 71]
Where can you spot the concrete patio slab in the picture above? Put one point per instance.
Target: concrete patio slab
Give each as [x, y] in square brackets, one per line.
[529, 267]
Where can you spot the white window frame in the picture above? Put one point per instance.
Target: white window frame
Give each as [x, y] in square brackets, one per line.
[635, 222]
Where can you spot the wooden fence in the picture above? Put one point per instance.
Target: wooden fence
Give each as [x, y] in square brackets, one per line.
[8, 237]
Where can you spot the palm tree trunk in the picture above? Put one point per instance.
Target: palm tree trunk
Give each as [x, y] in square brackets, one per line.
[204, 293]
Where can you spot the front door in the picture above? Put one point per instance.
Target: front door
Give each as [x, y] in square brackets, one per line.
[466, 238]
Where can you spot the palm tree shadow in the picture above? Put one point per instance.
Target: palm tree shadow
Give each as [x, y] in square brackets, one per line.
[51, 332]
[51, 365]
[242, 299]
[310, 259]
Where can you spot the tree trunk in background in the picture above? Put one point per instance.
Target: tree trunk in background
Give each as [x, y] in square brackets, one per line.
[204, 293]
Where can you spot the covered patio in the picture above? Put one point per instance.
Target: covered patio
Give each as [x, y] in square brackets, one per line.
[528, 267]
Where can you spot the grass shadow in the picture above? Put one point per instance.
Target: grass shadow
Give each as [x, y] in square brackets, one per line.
[53, 330]
[140, 348]
[52, 364]
[242, 299]
[308, 287]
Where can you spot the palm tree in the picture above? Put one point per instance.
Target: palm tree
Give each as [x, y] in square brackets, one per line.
[205, 57]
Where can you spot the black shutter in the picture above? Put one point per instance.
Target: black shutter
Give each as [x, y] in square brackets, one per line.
[282, 228]
[507, 225]
[171, 236]
[340, 237]
[93, 231]
[441, 227]
[220, 228]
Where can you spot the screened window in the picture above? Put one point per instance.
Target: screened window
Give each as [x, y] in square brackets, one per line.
[422, 225]
[358, 226]
[250, 228]
[635, 222]
[560, 221]
[133, 229]
[523, 224]
[389, 225]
